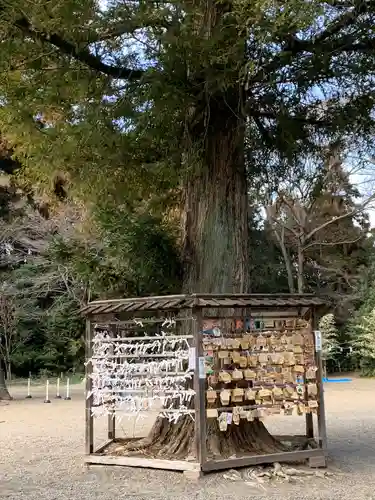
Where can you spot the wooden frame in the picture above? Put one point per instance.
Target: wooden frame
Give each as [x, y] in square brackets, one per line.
[302, 305]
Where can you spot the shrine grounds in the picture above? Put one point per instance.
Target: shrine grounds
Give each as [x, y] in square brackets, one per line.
[41, 450]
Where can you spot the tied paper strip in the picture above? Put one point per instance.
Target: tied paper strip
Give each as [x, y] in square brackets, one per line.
[133, 376]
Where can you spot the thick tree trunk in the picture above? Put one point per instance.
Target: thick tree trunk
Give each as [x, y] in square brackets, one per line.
[216, 257]
[4, 393]
[216, 245]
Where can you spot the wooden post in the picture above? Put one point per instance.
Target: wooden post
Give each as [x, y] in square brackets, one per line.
[89, 434]
[321, 408]
[309, 417]
[58, 388]
[200, 389]
[112, 414]
[29, 388]
[47, 400]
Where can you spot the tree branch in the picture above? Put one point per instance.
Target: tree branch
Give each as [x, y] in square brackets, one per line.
[82, 55]
[331, 244]
[344, 21]
[281, 241]
[299, 119]
[336, 219]
[321, 42]
[334, 271]
[291, 210]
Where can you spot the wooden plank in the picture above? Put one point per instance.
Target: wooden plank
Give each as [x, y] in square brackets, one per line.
[171, 303]
[322, 430]
[112, 425]
[89, 421]
[317, 462]
[214, 302]
[108, 308]
[200, 392]
[116, 308]
[103, 446]
[309, 419]
[135, 306]
[153, 337]
[154, 306]
[111, 421]
[148, 463]
[95, 310]
[232, 463]
[143, 356]
[183, 301]
[283, 314]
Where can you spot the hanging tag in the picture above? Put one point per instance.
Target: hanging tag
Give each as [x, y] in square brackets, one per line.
[212, 413]
[318, 340]
[191, 358]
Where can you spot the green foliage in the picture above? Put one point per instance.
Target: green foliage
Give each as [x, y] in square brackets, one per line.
[364, 343]
[50, 269]
[47, 304]
[330, 340]
[267, 268]
[109, 94]
[132, 255]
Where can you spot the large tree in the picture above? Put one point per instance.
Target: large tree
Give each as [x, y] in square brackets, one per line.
[192, 96]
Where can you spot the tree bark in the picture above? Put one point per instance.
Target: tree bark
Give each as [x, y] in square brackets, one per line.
[4, 393]
[215, 225]
[9, 371]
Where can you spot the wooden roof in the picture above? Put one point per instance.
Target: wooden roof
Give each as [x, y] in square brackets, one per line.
[177, 302]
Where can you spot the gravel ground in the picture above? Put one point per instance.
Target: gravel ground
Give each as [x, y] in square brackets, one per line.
[42, 447]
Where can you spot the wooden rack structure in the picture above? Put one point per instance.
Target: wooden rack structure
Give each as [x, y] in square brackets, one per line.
[133, 320]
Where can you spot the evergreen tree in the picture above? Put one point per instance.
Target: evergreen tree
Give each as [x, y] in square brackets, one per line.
[330, 342]
[364, 343]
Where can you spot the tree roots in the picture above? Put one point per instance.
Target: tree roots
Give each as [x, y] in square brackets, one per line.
[176, 440]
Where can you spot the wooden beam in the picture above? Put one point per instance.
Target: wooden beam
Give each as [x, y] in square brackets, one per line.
[112, 415]
[89, 421]
[232, 463]
[309, 416]
[148, 463]
[200, 390]
[103, 446]
[322, 430]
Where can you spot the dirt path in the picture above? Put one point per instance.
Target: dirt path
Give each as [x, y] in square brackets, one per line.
[42, 447]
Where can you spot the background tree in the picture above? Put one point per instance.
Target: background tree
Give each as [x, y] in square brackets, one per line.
[319, 220]
[363, 343]
[330, 340]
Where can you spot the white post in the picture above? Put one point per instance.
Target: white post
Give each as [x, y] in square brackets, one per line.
[58, 388]
[67, 397]
[28, 388]
[47, 400]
